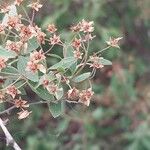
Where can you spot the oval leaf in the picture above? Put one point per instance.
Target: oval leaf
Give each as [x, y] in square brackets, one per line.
[41, 92]
[56, 109]
[64, 63]
[105, 61]
[82, 77]
[7, 54]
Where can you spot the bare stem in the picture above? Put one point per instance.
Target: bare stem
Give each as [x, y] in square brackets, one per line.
[9, 138]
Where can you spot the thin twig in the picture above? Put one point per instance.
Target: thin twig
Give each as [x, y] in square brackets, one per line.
[9, 138]
[7, 111]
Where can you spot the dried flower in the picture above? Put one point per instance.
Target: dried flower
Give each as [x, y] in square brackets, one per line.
[96, 62]
[41, 37]
[14, 46]
[77, 54]
[76, 43]
[114, 42]
[26, 32]
[73, 94]
[55, 39]
[2, 63]
[13, 91]
[37, 56]
[14, 22]
[85, 96]
[87, 26]
[32, 67]
[19, 103]
[36, 6]
[51, 28]
[88, 37]
[76, 28]
[52, 88]
[23, 114]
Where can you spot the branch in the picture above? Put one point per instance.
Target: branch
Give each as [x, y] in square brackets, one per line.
[9, 138]
[7, 111]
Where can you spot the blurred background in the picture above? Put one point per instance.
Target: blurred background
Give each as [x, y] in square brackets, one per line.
[118, 117]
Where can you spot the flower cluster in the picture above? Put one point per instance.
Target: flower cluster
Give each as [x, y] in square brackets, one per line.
[34, 64]
[84, 96]
[26, 51]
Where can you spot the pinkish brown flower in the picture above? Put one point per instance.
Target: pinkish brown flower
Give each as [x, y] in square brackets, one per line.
[55, 39]
[73, 94]
[14, 46]
[87, 26]
[88, 37]
[76, 43]
[96, 62]
[36, 6]
[85, 96]
[41, 37]
[76, 28]
[32, 67]
[77, 54]
[52, 88]
[18, 2]
[13, 91]
[25, 33]
[2, 63]
[23, 114]
[51, 28]
[20, 103]
[114, 42]
[14, 22]
[37, 56]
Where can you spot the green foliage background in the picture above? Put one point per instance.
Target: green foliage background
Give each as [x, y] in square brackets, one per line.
[118, 117]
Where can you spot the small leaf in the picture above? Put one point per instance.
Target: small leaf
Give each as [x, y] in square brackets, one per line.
[64, 63]
[21, 65]
[56, 109]
[41, 92]
[105, 61]
[82, 77]
[59, 93]
[7, 54]
[32, 44]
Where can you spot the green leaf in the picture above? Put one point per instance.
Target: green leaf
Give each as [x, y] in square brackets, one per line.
[105, 61]
[41, 92]
[82, 77]
[9, 70]
[21, 65]
[59, 93]
[64, 63]
[56, 109]
[32, 44]
[7, 54]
